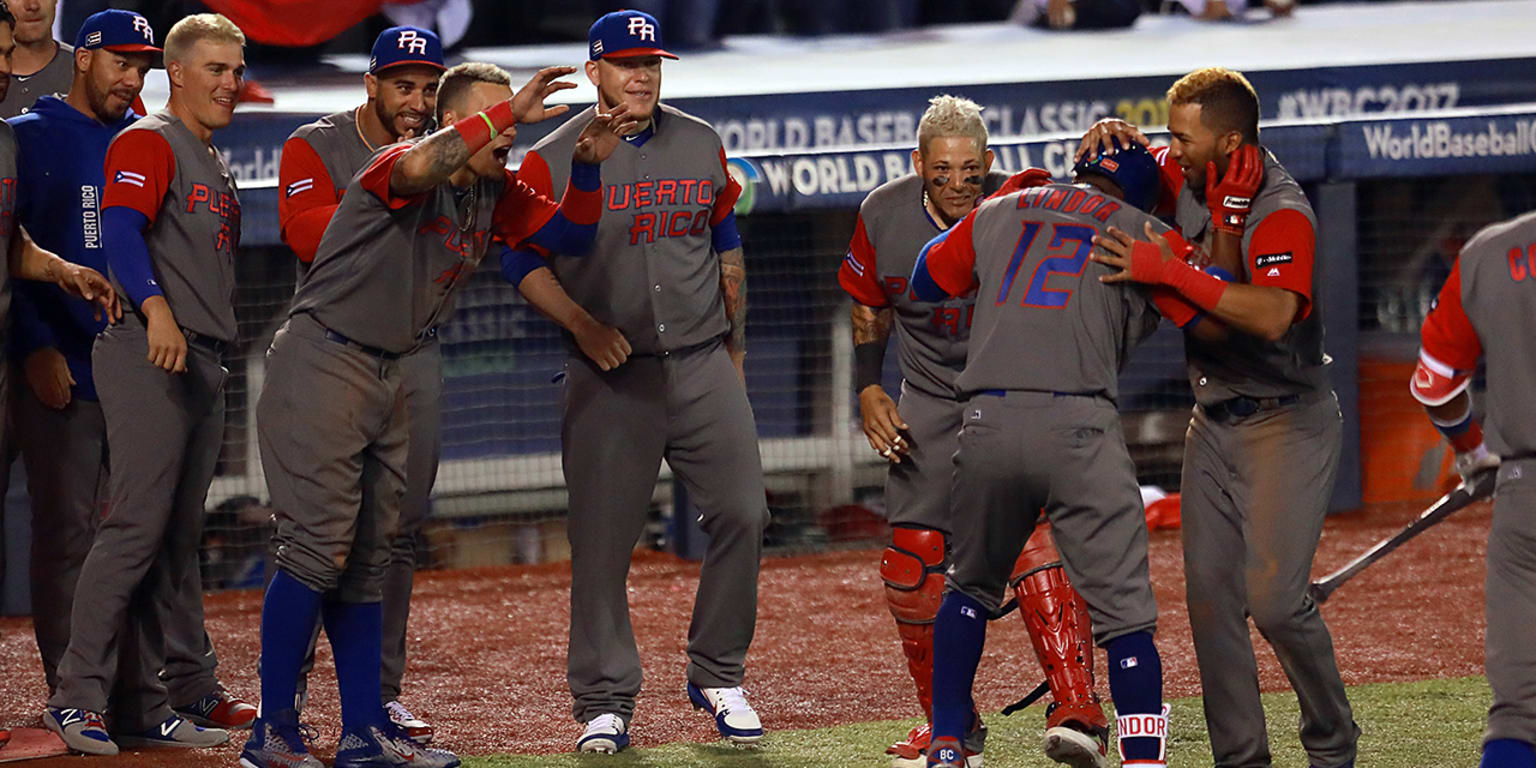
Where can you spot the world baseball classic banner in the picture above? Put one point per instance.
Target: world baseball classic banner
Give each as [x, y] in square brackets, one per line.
[1487, 142]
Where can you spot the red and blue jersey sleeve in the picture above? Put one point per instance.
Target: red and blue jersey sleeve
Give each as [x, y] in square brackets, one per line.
[1448, 347]
[1280, 255]
[307, 198]
[725, 201]
[375, 178]
[951, 258]
[858, 275]
[138, 170]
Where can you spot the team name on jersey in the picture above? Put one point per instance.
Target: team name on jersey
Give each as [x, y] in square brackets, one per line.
[220, 204]
[651, 226]
[7, 207]
[468, 246]
[1069, 201]
[952, 321]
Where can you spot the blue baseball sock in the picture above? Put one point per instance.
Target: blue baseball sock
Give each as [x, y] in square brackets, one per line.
[288, 615]
[356, 631]
[1136, 685]
[1508, 753]
[959, 632]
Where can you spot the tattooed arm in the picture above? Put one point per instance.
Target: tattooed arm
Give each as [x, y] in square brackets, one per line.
[882, 422]
[733, 284]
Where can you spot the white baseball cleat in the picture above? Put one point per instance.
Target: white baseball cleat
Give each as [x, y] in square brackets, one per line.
[734, 717]
[605, 734]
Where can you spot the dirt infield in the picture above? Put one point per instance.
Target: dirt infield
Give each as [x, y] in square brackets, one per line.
[487, 663]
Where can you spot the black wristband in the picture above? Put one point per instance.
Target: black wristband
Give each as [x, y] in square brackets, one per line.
[868, 362]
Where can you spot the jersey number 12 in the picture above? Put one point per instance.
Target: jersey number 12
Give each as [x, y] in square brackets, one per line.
[1061, 259]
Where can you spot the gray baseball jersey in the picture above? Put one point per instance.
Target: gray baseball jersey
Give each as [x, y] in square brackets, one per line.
[1278, 248]
[388, 266]
[181, 185]
[1491, 289]
[651, 272]
[893, 226]
[1486, 309]
[1027, 252]
[54, 78]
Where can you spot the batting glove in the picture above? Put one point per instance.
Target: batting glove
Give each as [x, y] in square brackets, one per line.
[1230, 197]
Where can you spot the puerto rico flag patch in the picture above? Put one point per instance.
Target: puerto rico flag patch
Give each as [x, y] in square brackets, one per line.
[300, 186]
[129, 177]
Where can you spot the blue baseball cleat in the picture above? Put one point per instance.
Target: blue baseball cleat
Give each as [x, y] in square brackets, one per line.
[734, 717]
[388, 747]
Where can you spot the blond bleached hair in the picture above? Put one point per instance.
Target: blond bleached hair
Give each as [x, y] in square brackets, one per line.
[213, 27]
[457, 81]
[1227, 100]
[949, 116]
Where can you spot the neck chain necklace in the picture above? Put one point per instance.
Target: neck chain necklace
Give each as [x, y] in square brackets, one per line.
[357, 122]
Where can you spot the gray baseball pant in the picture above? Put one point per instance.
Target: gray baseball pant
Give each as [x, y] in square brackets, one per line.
[1026, 450]
[65, 455]
[690, 407]
[1511, 604]
[332, 427]
[1255, 492]
[163, 432]
[917, 489]
[423, 381]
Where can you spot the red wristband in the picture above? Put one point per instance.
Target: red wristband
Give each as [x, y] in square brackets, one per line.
[1202, 290]
[478, 129]
[1173, 306]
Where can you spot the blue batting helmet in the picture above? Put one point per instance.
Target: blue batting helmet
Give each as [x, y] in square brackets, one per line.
[1132, 169]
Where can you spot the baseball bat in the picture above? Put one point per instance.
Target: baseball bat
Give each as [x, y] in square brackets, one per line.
[1479, 486]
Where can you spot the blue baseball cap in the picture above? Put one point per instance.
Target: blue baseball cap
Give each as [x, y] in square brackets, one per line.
[625, 33]
[1133, 169]
[119, 31]
[406, 45]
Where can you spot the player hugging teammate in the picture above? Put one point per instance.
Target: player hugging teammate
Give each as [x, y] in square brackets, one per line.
[951, 174]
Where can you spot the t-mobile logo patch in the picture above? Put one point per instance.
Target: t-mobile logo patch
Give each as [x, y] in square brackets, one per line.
[411, 42]
[639, 27]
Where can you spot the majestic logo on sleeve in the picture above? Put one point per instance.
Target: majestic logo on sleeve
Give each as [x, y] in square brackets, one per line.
[129, 177]
[639, 27]
[411, 42]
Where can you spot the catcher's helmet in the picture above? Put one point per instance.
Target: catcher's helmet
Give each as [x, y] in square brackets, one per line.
[1132, 169]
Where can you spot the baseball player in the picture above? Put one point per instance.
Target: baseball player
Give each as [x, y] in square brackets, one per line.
[319, 160]
[171, 224]
[1491, 291]
[659, 315]
[951, 172]
[40, 66]
[1263, 445]
[332, 420]
[1048, 341]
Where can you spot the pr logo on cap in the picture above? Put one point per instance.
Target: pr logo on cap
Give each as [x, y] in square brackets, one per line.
[639, 27]
[411, 42]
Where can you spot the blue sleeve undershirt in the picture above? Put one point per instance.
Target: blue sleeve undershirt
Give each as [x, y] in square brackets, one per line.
[128, 254]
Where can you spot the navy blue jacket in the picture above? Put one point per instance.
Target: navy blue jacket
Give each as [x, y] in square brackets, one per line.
[58, 169]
